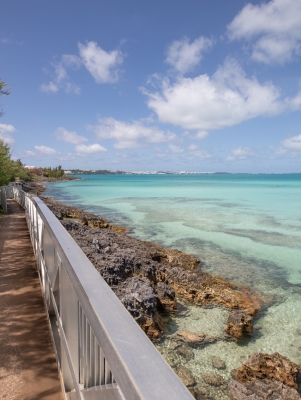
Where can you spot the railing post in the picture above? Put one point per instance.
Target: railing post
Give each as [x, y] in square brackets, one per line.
[69, 313]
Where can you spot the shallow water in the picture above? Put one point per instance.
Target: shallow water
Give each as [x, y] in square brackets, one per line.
[245, 228]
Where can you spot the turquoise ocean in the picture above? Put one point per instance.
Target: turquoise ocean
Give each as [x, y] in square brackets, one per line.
[245, 228]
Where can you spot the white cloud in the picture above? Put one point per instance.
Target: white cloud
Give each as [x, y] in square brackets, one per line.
[6, 138]
[293, 143]
[201, 135]
[83, 149]
[102, 65]
[5, 133]
[72, 88]
[50, 87]
[29, 153]
[290, 146]
[61, 78]
[241, 153]
[175, 149]
[129, 135]
[71, 60]
[7, 128]
[46, 150]
[184, 56]
[7, 41]
[192, 147]
[203, 155]
[68, 136]
[275, 28]
[226, 99]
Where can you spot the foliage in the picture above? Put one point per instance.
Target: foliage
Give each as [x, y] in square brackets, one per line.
[3, 91]
[56, 172]
[10, 169]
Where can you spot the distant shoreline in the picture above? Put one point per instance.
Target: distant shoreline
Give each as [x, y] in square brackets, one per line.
[108, 172]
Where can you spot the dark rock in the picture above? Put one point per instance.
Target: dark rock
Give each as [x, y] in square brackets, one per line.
[139, 298]
[166, 297]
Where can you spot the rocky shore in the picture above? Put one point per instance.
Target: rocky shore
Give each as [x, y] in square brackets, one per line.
[148, 279]
[37, 187]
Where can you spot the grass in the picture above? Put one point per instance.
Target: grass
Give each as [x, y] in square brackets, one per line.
[2, 213]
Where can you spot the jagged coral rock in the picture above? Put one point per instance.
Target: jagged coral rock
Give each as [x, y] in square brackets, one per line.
[166, 297]
[268, 366]
[239, 324]
[265, 376]
[139, 298]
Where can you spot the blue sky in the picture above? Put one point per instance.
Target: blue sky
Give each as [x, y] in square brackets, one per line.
[207, 85]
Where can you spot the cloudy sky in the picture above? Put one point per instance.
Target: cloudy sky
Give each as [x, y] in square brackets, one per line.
[195, 85]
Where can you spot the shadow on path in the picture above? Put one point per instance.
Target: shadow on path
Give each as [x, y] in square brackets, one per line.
[28, 368]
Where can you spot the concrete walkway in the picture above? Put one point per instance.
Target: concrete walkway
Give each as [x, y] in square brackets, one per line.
[28, 368]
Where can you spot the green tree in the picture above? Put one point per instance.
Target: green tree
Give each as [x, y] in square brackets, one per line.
[56, 172]
[3, 91]
[10, 169]
[4, 163]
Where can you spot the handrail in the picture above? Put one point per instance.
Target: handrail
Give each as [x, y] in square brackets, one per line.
[101, 351]
[6, 192]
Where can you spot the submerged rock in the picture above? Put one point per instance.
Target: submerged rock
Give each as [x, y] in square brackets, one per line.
[203, 289]
[213, 379]
[186, 376]
[240, 323]
[194, 339]
[185, 352]
[218, 363]
[202, 393]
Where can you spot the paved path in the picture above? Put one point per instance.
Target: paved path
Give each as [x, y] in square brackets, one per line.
[28, 369]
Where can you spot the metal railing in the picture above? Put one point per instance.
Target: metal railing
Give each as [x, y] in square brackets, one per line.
[102, 353]
[6, 192]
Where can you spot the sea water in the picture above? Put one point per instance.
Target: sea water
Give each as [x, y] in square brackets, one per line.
[245, 228]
